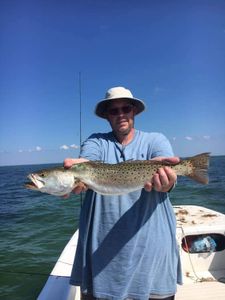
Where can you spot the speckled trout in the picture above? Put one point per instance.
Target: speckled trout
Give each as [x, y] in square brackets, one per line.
[113, 179]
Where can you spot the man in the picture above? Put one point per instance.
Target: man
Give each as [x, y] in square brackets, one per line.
[127, 245]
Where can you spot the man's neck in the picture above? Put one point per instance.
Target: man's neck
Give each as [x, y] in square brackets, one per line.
[125, 139]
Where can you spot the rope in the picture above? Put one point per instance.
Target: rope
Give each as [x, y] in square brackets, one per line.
[198, 279]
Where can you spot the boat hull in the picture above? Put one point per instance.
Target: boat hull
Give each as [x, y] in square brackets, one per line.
[203, 272]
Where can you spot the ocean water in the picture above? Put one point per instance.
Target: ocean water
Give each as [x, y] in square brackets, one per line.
[34, 227]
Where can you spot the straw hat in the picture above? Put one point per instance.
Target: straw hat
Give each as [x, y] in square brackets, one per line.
[116, 93]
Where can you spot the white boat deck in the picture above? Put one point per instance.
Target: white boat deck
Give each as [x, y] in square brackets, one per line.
[197, 218]
[201, 291]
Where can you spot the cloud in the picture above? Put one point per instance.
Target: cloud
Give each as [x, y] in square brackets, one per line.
[39, 148]
[36, 149]
[74, 146]
[64, 147]
[188, 138]
[206, 137]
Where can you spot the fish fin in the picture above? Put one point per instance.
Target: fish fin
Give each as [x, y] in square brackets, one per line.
[128, 161]
[200, 164]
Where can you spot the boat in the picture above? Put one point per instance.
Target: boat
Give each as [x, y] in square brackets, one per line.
[201, 241]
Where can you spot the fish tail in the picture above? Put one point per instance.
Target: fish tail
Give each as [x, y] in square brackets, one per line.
[200, 165]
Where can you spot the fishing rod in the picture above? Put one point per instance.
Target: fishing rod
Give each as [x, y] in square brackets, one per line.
[80, 97]
[80, 108]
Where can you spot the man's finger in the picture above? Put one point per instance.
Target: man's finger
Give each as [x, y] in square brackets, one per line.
[148, 186]
[163, 177]
[171, 174]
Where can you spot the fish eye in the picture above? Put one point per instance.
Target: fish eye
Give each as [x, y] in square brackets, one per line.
[42, 174]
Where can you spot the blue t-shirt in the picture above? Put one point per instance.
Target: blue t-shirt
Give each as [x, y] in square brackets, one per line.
[127, 244]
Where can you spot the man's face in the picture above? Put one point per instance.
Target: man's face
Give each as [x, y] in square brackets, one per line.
[120, 114]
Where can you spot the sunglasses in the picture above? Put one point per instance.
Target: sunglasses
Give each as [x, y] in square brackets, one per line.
[117, 110]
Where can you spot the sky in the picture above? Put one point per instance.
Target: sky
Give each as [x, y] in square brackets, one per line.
[171, 54]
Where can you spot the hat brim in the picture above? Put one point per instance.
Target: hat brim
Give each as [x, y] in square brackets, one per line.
[101, 107]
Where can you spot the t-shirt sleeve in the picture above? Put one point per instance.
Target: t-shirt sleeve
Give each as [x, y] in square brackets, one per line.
[161, 147]
[91, 148]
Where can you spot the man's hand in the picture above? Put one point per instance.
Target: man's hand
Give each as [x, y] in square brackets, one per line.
[68, 163]
[165, 178]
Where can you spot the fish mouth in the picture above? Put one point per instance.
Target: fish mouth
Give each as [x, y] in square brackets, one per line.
[36, 182]
[31, 186]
